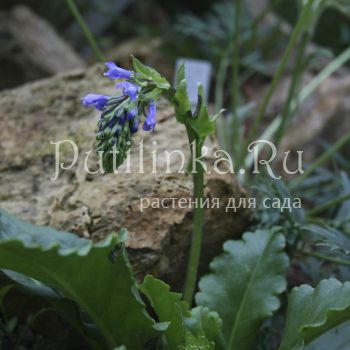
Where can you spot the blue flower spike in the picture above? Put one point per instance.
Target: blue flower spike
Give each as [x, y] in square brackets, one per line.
[121, 113]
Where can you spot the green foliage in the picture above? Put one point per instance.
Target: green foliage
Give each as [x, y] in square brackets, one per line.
[12, 228]
[92, 285]
[180, 74]
[244, 284]
[97, 277]
[145, 75]
[266, 217]
[199, 342]
[335, 240]
[205, 321]
[201, 123]
[339, 337]
[314, 10]
[312, 312]
[182, 103]
[169, 308]
[210, 36]
[239, 294]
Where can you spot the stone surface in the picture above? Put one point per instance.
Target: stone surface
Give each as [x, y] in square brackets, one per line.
[95, 205]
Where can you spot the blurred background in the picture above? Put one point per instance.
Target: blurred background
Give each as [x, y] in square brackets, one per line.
[157, 31]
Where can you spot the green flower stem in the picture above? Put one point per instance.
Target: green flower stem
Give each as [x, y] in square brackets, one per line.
[321, 160]
[332, 203]
[196, 244]
[277, 77]
[88, 35]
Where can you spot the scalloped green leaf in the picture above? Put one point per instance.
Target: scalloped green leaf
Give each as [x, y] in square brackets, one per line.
[312, 312]
[244, 285]
[97, 277]
[148, 73]
[169, 307]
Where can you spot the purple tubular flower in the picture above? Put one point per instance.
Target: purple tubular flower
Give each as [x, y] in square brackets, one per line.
[132, 114]
[115, 72]
[133, 120]
[150, 122]
[96, 100]
[112, 122]
[129, 89]
[121, 119]
[135, 125]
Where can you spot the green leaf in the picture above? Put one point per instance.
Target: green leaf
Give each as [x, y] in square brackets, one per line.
[180, 74]
[148, 73]
[12, 228]
[32, 286]
[182, 103]
[201, 123]
[311, 10]
[218, 114]
[196, 343]
[312, 312]
[151, 95]
[97, 277]
[244, 285]
[169, 308]
[205, 321]
[339, 337]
